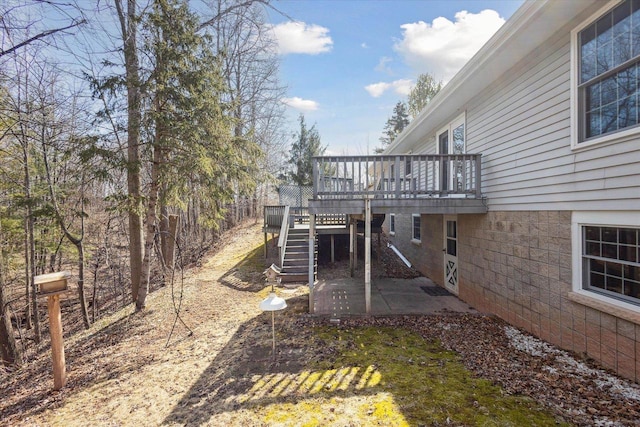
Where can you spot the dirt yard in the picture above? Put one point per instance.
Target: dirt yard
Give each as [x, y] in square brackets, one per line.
[214, 366]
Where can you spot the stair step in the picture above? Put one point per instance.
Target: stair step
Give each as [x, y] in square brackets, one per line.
[296, 261]
[294, 277]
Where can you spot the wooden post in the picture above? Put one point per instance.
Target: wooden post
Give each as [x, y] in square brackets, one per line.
[355, 244]
[266, 255]
[333, 250]
[367, 255]
[312, 256]
[57, 345]
[351, 241]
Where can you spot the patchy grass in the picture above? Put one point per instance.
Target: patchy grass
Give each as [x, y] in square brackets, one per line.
[403, 380]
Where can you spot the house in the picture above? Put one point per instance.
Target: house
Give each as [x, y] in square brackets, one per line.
[518, 187]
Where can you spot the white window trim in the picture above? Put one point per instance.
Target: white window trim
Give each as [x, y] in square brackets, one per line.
[576, 145]
[413, 239]
[392, 232]
[460, 120]
[599, 219]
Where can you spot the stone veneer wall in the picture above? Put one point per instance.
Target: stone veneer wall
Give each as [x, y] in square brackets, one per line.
[518, 266]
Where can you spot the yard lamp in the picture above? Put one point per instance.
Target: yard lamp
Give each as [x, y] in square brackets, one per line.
[273, 302]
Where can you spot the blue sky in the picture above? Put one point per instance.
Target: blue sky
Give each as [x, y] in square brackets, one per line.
[346, 63]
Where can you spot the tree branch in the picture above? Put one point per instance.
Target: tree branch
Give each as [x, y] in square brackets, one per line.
[39, 36]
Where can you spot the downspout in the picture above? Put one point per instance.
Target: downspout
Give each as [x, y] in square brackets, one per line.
[402, 257]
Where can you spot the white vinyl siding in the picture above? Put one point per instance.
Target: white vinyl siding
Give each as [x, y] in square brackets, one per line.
[522, 128]
[522, 125]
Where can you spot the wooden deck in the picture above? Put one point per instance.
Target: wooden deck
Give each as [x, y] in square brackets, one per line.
[435, 183]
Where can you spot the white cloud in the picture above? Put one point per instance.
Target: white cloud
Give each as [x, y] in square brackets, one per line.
[299, 37]
[364, 46]
[401, 87]
[443, 47]
[300, 104]
[383, 65]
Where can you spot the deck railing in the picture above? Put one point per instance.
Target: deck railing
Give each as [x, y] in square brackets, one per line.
[273, 216]
[284, 233]
[401, 176]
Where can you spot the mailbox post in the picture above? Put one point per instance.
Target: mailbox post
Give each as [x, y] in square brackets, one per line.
[52, 285]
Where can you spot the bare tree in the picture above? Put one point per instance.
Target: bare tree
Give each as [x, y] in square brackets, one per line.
[18, 33]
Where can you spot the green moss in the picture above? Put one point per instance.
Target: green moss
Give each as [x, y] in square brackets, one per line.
[428, 384]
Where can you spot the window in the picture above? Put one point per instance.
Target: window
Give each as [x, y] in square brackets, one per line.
[606, 258]
[392, 224]
[407, 166]
[452, 174]
[611, 261]
[415, 220]
[607, 52]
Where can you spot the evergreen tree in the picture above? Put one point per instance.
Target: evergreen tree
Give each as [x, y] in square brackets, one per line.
[307, 145]
[394, 126]
[422, 93]
[194, 152]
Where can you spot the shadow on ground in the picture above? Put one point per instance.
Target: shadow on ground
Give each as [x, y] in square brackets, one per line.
[244, 375]
[84, 367]
[247, 275]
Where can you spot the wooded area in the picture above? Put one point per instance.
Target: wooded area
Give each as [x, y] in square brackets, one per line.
[116, 117]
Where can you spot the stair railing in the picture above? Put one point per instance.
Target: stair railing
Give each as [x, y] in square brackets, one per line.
[284, 234]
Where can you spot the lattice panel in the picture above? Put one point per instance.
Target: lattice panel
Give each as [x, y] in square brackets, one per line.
[295, 196]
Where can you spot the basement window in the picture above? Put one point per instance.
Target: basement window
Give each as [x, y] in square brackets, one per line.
[415, 220]
[392, 224]
[606, 258]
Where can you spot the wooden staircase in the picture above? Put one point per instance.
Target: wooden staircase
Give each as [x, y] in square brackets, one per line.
[295, 267]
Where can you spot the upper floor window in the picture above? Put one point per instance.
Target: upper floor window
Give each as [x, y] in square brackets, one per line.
[608, 53]
[451, 140]
[407, 166]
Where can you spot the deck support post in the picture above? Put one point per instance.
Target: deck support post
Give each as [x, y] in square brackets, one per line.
[351, 245]
[355, 244]
[367, 255]
[266, 252]
[312, 246]
[333, 249]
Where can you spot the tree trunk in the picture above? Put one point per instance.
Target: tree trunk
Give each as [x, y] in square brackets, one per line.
[8, 349]
[83, 300]
[165, 233]
[30, 248]
[151, 218]
[128, 25]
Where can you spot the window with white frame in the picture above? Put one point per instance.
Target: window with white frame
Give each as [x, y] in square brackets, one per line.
[392, 224]
[451, 140]
[407, 166]
[415, 222]
[607, 256]
[606, 70]
[611, 261]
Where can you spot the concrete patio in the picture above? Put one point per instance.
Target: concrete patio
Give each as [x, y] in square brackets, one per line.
[345, 296]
